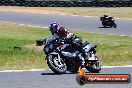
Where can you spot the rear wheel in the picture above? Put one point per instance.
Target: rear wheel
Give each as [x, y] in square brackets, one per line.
[94, 66]
[56, 65]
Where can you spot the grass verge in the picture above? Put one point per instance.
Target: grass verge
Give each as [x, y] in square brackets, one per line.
[120, 12]
[113, 50]
[25, 58]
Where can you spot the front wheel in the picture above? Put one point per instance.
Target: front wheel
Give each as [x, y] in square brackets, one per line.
[114, 25]
[104, 24]
[56, 65]
[94, 66]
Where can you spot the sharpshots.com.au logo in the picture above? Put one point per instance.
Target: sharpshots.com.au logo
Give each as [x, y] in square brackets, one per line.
[83, 78]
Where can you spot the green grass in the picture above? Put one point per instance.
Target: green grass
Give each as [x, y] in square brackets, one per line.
[112, 49]
[12, 35]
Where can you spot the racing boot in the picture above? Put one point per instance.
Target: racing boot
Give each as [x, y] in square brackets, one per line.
[83, 60]
[81, 66]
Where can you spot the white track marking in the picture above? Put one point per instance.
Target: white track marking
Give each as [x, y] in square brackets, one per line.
[23, 70]
[88, 16]
[22, 12]
[45, 27]
[74, 15]
[123, 19]
[33, 12]
[23, 24]
[122, 35]
[116, 66]
[50, 69]
[70, 14]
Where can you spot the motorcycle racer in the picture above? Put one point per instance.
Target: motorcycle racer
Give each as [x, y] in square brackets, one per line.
[68, 37]
[108, 21]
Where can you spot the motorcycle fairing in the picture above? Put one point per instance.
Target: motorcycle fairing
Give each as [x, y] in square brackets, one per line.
[71, 55]
[87, 46]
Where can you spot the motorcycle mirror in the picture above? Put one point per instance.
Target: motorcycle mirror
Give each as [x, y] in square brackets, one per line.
[95, 46]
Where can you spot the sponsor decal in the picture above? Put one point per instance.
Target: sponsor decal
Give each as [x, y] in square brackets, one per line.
[83, 78]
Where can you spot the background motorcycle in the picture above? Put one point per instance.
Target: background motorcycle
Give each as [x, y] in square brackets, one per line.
[110, 22]
[63, 57]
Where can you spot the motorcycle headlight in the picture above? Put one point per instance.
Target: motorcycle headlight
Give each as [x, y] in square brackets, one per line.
[47, 49]
[51, 46]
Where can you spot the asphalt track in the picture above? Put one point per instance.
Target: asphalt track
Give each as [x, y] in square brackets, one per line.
[91, 24]
[46, 78]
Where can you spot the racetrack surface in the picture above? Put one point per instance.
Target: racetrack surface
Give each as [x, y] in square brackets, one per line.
[91, 24]
[47, 79]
